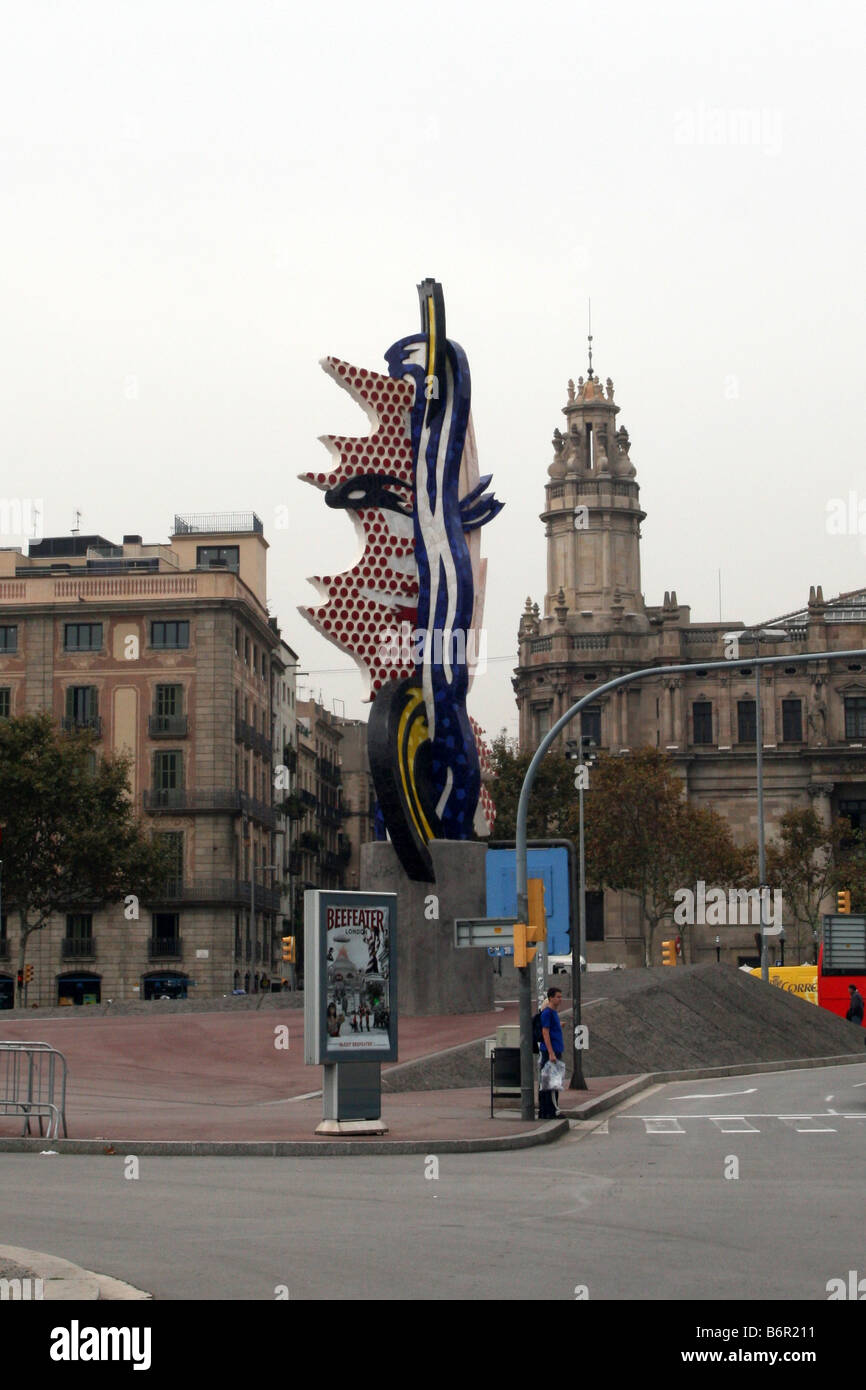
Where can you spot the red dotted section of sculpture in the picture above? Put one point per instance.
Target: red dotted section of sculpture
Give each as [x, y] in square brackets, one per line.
[388, 450]
[367, 604]
[485, 799]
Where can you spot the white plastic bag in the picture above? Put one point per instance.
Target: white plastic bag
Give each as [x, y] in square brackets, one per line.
[552, 1076]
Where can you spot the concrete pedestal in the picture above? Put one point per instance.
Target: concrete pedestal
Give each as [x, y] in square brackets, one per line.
[433, 977]
[352, 1099]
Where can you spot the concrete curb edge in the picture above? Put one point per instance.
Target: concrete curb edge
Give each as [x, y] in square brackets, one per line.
[287, 1148]
[66, 1282]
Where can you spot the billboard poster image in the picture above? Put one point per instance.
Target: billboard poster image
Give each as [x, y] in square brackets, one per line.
[355, 951]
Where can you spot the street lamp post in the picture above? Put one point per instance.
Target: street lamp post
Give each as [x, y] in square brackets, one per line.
[587, 747]
[759, 635]
[782, 945]
[527, 1089]
[584, 754]
[718, 950]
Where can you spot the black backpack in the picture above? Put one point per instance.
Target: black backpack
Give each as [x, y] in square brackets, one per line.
[537, 1034]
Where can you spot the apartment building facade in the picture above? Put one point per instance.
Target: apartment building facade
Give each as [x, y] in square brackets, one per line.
[323, 848]
[165, 652]
[359, 798]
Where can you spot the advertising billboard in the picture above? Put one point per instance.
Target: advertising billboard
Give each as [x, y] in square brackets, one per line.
[350, 998]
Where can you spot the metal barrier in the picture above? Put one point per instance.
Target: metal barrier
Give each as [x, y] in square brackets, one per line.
[33, 1085]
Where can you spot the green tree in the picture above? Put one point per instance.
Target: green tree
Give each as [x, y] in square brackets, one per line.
[809, 861]
[70, 836]
[643, 837]
[553, 793]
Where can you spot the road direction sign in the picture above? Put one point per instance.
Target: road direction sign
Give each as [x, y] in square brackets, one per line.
[484, 931]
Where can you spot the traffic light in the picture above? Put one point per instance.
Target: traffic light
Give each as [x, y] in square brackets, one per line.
[20, 979]
[289, 949]
[526, 938]
[669, 953]
[843, 902]
[28, 974]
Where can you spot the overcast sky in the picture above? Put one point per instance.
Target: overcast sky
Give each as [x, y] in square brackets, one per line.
[201, 199]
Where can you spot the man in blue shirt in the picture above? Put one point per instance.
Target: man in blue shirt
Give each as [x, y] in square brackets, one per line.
[551, 1047]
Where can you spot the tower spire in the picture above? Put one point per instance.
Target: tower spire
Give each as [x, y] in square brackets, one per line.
[589, 335]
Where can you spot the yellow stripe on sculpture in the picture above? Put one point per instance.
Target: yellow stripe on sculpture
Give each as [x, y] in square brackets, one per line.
[416, 723]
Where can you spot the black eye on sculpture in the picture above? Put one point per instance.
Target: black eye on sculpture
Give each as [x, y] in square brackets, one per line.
[370, 490]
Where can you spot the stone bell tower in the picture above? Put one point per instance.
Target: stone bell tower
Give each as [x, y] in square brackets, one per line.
[593, 514]
[595, 623]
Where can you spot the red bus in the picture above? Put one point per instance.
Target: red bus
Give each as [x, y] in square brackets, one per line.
[841, 962]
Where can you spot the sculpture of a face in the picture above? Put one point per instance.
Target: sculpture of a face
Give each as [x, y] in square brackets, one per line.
[409, 610]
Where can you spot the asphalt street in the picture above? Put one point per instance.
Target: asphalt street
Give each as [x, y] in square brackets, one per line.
[742, 1188]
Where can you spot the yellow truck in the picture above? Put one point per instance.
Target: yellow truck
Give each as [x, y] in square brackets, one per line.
[801, 980]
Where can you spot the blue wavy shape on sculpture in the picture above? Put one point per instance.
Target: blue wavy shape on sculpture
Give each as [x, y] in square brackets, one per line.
[440, 418]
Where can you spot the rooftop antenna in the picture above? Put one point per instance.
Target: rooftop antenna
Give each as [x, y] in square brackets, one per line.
[77, 527]
[36, 516]
[589, 335]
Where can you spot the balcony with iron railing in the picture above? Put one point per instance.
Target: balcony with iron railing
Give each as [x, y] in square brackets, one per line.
[164, 948]
[217, 523]
[229, 892]
[180, 799]
[167, 725]
[74, 723]
[207, 800]
[259, 811]
[251, 738]
[78, 948]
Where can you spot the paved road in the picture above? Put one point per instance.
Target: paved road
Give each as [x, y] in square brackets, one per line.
[638, 1207]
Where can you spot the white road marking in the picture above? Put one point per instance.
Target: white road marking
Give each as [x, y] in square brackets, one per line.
[717, 1095]
[748, 1115]
[734, 1124]
[800, 1124]
[666, 1124]
[856, 1084]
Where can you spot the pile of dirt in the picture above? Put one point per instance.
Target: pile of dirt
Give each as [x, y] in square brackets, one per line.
[670, 1019]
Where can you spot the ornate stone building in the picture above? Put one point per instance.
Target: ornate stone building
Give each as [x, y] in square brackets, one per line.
[596, 624]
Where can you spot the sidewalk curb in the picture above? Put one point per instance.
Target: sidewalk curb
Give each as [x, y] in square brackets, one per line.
[660, 1078]
[288, 1148]
[65, 1282]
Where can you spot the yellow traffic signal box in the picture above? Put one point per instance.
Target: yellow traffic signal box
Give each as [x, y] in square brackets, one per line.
[289, 949]
[843, 902]
[527, 937]
[669, 953]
